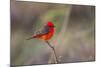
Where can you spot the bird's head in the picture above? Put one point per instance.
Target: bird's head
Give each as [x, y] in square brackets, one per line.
[50, 24]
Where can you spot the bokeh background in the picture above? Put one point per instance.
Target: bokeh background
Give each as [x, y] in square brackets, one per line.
[74, 37]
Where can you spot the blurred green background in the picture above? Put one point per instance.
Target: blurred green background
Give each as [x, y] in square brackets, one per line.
[74, 37]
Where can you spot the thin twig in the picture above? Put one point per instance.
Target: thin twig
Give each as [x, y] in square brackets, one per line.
[53, 51]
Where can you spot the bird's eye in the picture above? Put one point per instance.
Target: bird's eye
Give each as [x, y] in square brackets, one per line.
[51, 26]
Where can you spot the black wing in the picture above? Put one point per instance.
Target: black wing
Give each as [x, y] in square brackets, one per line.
[43, 30]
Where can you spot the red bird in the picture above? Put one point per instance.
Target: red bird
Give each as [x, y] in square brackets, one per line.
[44, 33]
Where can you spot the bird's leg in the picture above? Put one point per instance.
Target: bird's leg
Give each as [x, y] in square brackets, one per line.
[53, 51]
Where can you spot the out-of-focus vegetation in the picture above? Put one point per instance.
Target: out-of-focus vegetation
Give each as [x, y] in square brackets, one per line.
[74, 37]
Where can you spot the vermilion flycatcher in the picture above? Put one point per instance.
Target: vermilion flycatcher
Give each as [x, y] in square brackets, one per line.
[44, 33]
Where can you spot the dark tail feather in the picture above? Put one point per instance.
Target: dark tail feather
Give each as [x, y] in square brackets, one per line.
[29, 38]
